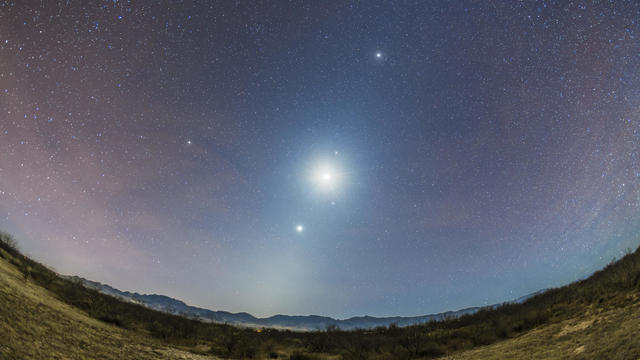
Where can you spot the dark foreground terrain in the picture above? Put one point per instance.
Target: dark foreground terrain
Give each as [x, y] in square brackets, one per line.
[45, 316]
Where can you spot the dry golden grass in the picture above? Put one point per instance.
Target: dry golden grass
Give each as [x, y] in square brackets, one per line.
[36, 325]
[612, 333]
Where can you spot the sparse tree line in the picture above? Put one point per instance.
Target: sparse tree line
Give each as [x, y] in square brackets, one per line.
[607, 287]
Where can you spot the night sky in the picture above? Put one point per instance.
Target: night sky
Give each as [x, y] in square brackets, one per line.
[336, 158]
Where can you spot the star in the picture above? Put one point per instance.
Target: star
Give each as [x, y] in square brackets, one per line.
[188, 142]
[299, 228]
[378, 55]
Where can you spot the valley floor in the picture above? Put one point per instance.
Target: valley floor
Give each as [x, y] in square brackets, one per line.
[36, 325]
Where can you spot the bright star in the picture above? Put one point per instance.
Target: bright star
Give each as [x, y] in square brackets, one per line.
[299, 228]
[188, 142]
[378, 55]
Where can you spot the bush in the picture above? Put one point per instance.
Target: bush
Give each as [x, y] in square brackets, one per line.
[111, 320]
[8, 243]
[302, 356]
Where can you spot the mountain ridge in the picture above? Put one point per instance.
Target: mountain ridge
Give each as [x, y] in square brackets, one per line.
[285, 322]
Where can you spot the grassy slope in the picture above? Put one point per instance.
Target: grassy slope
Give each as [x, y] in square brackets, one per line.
[44, 316]
[610, 333]
[36, 325]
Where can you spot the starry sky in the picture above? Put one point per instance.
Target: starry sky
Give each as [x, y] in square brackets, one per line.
[336, 158]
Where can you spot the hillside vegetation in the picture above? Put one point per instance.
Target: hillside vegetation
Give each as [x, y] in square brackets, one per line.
[47, 316]
[610, 333]
[36, 325]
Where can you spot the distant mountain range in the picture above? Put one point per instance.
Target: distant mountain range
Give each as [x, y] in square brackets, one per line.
[297, 323]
